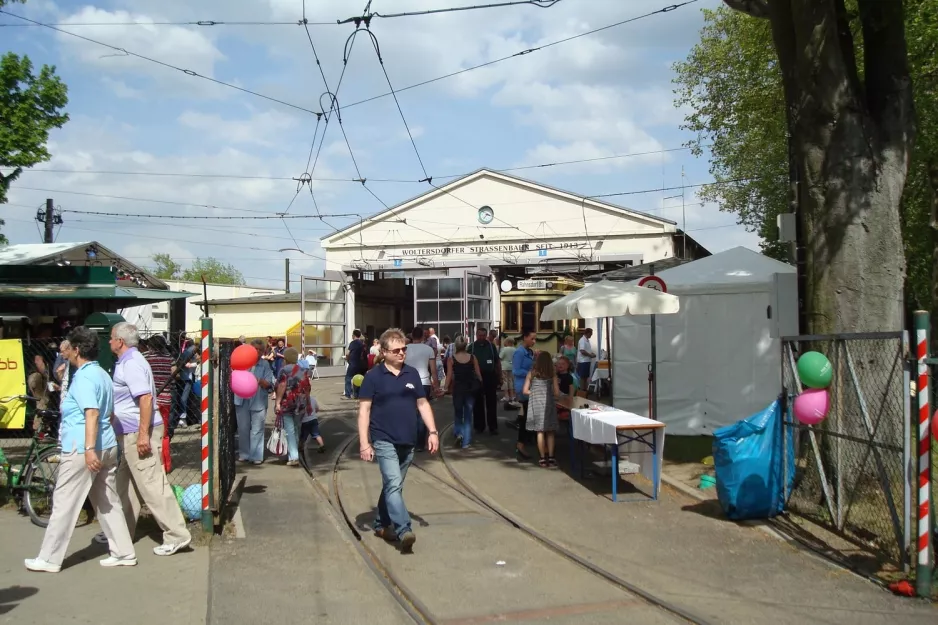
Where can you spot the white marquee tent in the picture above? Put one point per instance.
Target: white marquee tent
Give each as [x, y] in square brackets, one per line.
[719, 357]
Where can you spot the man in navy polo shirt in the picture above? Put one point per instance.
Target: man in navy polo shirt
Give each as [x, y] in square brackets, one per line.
[391, 397]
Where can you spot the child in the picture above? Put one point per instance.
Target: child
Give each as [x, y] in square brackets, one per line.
[309, 427]
[565, 381]
[505, 354]
[541, 387]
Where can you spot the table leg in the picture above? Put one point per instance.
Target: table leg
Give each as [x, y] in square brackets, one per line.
[615, 471]
[572, 449]
[654, 459]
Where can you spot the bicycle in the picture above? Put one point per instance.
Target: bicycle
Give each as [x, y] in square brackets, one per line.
[32, 482]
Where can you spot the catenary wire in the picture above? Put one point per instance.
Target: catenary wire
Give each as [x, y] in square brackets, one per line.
[398, 180]
[524, 52]
[188, 72]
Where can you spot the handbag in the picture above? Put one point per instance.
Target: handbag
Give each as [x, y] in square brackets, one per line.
[277, 443]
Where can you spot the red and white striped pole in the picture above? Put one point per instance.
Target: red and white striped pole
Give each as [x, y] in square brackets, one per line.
[206, 369]
[922, 568]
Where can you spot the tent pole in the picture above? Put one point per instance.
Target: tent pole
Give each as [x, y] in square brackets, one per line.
[654, 363]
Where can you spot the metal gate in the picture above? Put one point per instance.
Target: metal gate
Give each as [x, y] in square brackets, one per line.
[323, 316]
[852, 471]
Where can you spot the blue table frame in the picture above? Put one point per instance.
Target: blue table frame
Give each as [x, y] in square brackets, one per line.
[624, 435]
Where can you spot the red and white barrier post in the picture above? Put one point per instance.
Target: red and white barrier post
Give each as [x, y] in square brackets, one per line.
[923, 546]
[208, 524]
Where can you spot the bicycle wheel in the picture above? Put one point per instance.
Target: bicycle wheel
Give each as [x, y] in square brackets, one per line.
[39, 485]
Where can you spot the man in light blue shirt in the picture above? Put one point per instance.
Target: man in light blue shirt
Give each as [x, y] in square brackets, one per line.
[252, 412]
[88, 464]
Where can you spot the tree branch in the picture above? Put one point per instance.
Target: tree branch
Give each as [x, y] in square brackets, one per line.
[753, 8]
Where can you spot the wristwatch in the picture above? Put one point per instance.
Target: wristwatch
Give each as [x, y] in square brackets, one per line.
[434, 433]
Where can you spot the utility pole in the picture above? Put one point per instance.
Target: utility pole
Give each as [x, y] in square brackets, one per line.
[683, 214]
[49, 219]
[286, 274]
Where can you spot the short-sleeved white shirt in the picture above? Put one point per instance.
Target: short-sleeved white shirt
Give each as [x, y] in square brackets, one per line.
[584, 344]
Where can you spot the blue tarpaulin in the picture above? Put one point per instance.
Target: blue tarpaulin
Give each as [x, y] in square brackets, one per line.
[749, 460]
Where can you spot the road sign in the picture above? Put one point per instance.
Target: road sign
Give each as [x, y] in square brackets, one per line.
[398, 262]
[653, 282]
[542, 252]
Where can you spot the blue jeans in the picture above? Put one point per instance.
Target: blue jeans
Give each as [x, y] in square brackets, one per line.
[182, 406]
[583, 372]
[291, 430]
[350, 390]
[250, 432]
[393, 461]
[463, 404]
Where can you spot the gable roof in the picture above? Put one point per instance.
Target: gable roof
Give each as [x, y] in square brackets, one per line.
[735, 266]
[49, 253]
[496, 175]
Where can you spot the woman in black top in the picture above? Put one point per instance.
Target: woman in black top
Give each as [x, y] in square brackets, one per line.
[463, 380]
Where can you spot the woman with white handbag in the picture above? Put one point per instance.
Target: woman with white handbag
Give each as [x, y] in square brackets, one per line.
[252, 412]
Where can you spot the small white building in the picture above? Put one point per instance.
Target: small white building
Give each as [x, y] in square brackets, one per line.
[154, 318]
[488, 249]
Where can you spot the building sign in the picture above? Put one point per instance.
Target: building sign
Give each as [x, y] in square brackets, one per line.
[535, 284]
[511, 248]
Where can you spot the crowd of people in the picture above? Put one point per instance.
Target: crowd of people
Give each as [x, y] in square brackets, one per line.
[112, 437]
[401, 374]
[282, 374]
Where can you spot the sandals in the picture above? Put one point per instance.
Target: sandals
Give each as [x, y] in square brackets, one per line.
[547, 462]
[542, 463]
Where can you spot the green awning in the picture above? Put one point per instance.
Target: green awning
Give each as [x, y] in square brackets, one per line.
[35, 292]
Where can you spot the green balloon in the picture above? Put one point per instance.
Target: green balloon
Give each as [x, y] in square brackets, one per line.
[814, 370]
[177, 491]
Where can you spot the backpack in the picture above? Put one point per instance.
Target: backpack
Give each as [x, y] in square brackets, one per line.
[487, 363]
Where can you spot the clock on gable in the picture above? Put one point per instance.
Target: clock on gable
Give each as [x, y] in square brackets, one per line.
[486, 215]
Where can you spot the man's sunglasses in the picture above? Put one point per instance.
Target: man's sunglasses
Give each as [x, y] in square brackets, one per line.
[397, 350]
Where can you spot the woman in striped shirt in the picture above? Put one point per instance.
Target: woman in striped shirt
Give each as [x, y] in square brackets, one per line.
[161, 363]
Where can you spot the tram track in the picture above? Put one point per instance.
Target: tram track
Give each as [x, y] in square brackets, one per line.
[409, 601]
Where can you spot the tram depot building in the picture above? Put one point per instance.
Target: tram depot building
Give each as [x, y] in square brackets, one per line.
[486, 250]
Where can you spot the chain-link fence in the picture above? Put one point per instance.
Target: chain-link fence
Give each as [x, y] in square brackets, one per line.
[44, 376]
[851, 470]
[227, 425]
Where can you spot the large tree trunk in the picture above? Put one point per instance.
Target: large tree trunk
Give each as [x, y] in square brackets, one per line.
[853, 143]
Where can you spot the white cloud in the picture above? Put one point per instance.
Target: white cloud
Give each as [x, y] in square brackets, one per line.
[265, 128]
[121, 89]
[171, 45]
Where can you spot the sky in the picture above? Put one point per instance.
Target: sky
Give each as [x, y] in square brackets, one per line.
[605, 94]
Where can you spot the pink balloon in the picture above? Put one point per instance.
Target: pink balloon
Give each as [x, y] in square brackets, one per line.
[243, 384]
[812, 405]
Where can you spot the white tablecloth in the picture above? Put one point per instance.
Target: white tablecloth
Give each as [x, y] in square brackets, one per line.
[598, 427]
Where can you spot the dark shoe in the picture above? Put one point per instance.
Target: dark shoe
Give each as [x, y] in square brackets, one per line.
[551, 462]
[458, 442]
[520, 455]
[322, 449]
[387, 533]
[407, 542]
[542, 463]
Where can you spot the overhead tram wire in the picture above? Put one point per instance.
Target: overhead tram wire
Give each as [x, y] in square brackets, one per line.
[188, 72]
[541, 4]
[397, 180]
[525, 52]
[268, 215]
[427, 177]
[191, 23]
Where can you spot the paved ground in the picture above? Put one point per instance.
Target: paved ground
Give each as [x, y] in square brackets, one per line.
[677, 548]
[155, 592]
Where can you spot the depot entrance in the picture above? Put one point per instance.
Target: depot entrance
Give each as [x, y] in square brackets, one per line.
[453, 301]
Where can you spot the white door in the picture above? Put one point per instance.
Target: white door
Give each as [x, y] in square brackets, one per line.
[478, 303]
[324, 328]
[439, 303]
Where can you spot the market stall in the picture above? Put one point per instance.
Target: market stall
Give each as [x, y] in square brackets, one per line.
[617, 430]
